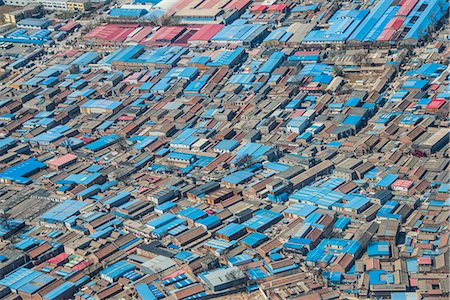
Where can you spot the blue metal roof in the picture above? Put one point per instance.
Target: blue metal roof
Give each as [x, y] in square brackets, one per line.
[231, 229]
[63, 211]
[305, 8]
[415, 84]
[240, 259]
[26, 280]
[355, 201]
[183, 72]
[343, 23]
[375, 277]
[60, 290]
[117, 269]
[192, 213]
[174, 227]
[103, 104]
[237, 32]
[35, 22]
[86, 58]
[318, 196]
[122, 12]
[7, 143]
[387, 180]
[272, 63]
[300, 209]
[238, 177]
[102, 142]
[209, 221]
[261, 219]
[255, 150]
[352, 120]
[341, 223]
[329, 248]
[227, 145]
[279, 34]
[19, 172]
[435, 8]
[380, 248]
[161, 221]
[372, 18]
[227, 58]
[254, 239]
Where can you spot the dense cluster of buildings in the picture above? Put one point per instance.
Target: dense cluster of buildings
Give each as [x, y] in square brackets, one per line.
[58, 5]
[239, 149]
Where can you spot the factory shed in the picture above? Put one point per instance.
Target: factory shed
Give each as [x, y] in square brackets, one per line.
[19, 172]
[34, 23]
[221, 279]
[116, 270]
[27, 281]
[378, 249]
[253, 240]
[243, 35]
[262, 220]
[62, 211]
[232, 231]
[157, 265]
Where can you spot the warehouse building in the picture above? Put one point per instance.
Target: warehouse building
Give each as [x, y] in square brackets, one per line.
[222, 279]
[248, 35]
[434, 142]
[211, 11]
[33, 23]
[101, 106]
[79, 5]
[20, 172]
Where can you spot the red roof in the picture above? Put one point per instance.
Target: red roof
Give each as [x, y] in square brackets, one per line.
[58, 258]
[309, 88]
[69, 26]
[68, 53]
[258, 8]
[395, 22]
[142, 34]
[298, 113]
[434, 87]
[237, 4]
[406, 7]
[142, 189]
[174, 274]
[178, 6]
[111, 32]
[62, 160]
[125, 118]
[206, 32]
[402, 183]
[435, 103]
[81, 265]
[424, 261]
[207, 4]
[166, 34]
[87, 139]
[277, 7]
[306, 53]
[386, 35]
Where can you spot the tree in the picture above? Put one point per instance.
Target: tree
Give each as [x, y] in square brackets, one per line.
[338, 71]
[360, 58]
[170, 21]
[154, 19]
